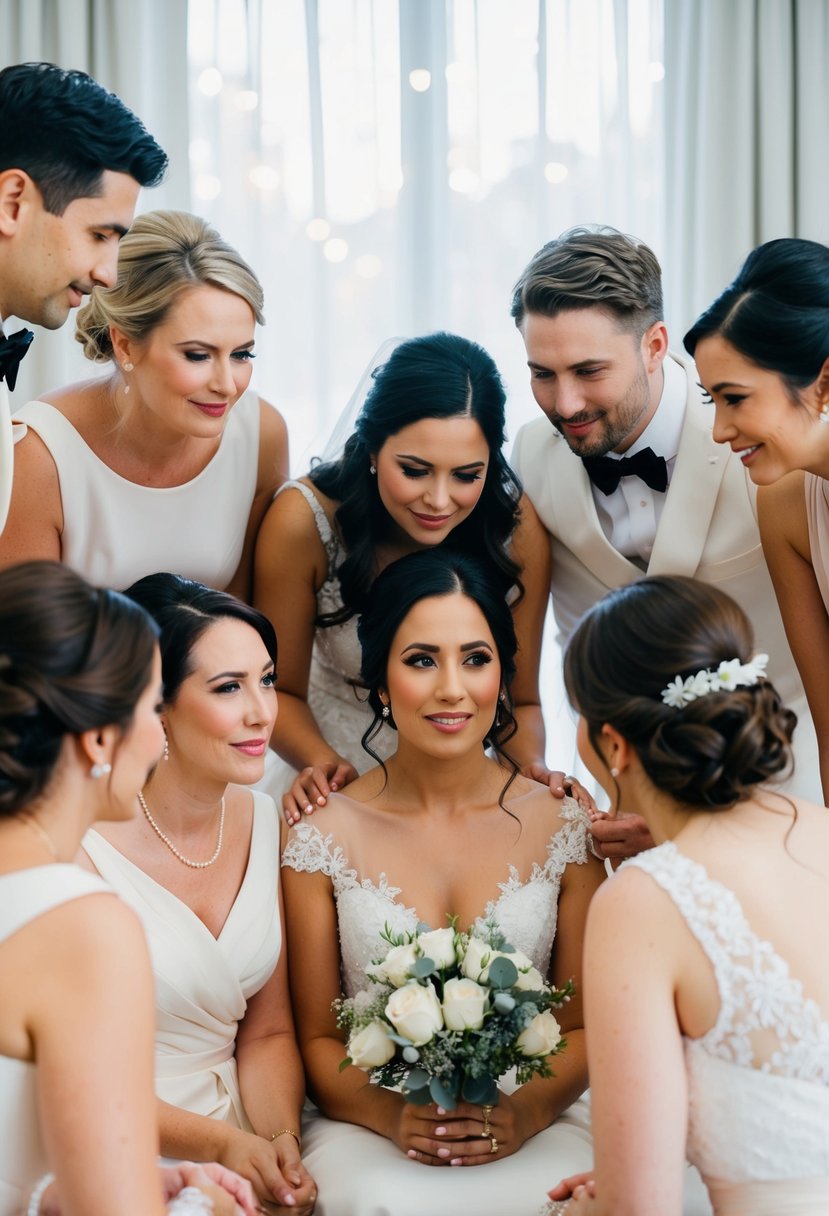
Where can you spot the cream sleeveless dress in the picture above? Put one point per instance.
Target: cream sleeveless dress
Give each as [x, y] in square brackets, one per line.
[24, 896]
[115, 531]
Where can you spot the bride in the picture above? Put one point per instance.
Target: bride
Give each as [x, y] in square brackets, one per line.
[439, 829]
[723, 964]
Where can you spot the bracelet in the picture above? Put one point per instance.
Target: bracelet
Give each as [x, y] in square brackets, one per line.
[190, 1201]
[287, 1131]
[37, 1194]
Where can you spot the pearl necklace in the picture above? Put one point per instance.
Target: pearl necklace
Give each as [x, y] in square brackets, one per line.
[194, 865]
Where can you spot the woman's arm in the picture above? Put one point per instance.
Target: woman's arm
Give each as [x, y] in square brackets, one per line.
[291, 565]
[90, 1017]
[35, 523]
[634, 952]
[531, 549]
[273, 469]
[784, 531]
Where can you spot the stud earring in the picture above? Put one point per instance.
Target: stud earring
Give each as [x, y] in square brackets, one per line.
[386, 712]
[372, 468]
[99, 770]
[823, 414]
[614, 772]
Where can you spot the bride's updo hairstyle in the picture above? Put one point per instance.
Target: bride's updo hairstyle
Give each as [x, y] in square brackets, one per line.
[419, 576]
[437, 376]
[713, 751]
[73, 658]
[184, 610]
[163, 254]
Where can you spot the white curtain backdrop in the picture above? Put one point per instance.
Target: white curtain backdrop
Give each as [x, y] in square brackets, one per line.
[747, 109]
[389, 166]
[139, 51]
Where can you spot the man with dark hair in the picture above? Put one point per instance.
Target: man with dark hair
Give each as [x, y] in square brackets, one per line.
[72, 160]
[622, 469]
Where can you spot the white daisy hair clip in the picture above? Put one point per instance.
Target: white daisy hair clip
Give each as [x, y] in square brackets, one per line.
[730, 674]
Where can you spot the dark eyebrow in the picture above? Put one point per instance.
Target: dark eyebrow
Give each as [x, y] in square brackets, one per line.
[237, 675]
[208, 346]
[436, 649]
[718, 388]
[475, 646]
[540, 367]
[118, 229]
[473, 464]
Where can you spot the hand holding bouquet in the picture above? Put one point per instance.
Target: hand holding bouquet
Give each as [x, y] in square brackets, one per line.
[448, 1013]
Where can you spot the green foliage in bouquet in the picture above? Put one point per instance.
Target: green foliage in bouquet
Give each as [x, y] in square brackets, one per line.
[449, 1013]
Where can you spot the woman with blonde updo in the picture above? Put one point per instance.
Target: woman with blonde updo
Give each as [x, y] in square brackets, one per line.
[168, 462]
[706, 969]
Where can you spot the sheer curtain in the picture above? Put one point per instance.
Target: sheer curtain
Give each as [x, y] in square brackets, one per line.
[388, 166]
[747, 105]
[139, 51]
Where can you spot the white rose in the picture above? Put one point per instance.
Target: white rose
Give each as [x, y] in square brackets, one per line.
[472, 965]
[542, 1036]
[414, 1011]
[464, 1003]
[396, 967]
[439, 946]
[371, 1046]
[530, 980]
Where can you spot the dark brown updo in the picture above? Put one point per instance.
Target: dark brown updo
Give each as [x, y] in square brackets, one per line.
[632, 644]
[72, 658]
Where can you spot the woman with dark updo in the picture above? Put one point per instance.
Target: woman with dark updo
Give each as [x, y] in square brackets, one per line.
[79, 686]
[706, 964]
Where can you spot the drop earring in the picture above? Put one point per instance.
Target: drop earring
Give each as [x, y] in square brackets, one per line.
[165, 755]
[372, 468]
[386, 713]
[128, 367]
[823, 412]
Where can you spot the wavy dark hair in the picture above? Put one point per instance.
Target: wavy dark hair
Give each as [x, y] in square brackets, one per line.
[64, 129]
[714, 751]
[437, 376]
[73, 658]
[776, 312]
[419, 576]
[183, 610]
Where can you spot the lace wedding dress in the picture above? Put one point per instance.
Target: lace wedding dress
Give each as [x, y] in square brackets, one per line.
[758, 1118]
[362, 1174]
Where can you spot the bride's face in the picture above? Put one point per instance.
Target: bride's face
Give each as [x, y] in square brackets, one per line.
[430, 476]
[444, 676]
[220, 722]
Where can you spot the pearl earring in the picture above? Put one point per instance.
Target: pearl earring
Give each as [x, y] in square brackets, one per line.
[386, 712]
[127, 368]
[166, 752]
[99, 770]
[614, 772]
[823, 415]
[372, 468]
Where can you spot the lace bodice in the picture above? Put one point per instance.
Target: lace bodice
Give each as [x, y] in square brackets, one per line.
[526, 911]
[759, 1078]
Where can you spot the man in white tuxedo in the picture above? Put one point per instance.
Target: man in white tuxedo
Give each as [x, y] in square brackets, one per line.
[72, 160]
[622, 469]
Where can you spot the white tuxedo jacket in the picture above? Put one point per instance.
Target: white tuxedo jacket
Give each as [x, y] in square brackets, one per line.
[708, 530]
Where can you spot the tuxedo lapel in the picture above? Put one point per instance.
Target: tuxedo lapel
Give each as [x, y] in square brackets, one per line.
[689, 504]
[578, 524]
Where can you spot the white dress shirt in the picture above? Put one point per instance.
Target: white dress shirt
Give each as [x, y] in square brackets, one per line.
[630, 515]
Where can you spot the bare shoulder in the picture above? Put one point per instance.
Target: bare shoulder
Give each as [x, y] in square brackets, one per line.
[273, 436]
[75, 401]
[781, 510]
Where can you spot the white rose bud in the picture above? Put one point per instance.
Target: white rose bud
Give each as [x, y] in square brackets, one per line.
[371, 1046]
[414, 1011]
[530, 980]
[464, 1003]
[439, 946]
[476, 952]
[396, 967]
[542, 1036]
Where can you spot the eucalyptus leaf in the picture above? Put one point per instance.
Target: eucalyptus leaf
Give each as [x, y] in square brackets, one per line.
[422, 968]
[418, 1097]
[481, 1090]
[502, 973]
[399, 1039]
[418, 1078]
[442, 1094]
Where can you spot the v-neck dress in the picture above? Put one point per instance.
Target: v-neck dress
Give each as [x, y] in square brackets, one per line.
[203, 983]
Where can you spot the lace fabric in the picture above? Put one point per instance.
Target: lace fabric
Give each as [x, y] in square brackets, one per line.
[525, 910]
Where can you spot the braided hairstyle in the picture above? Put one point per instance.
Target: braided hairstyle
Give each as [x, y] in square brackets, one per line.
[72, 658]
[711, 753]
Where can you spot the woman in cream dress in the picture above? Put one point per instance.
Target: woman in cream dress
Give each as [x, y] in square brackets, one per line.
[79, 685]
[199, 865]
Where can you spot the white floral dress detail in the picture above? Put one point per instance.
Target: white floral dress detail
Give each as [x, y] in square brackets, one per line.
[758, 1080]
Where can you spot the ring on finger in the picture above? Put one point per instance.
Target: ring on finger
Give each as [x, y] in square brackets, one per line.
[493, 1145]
[487, 1111]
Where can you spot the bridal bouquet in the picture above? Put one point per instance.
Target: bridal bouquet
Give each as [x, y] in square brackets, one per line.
[448, 1013]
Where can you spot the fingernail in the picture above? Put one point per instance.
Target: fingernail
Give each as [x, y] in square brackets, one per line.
[441, 1111]
[321, 801]
[456, 1161]
[411, 1153]
[440, 1131]
[334, 785]
[444, 1152]
[307, 808]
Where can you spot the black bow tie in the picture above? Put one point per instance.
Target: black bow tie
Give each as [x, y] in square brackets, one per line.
[646, 465]
[12, 350]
